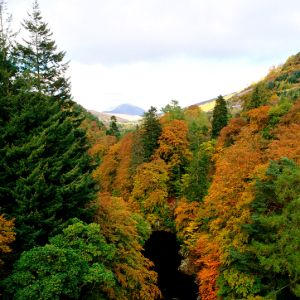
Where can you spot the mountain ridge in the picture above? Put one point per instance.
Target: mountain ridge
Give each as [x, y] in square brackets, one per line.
[126, 109]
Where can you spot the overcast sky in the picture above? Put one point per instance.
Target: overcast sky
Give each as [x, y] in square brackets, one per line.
[148, 52]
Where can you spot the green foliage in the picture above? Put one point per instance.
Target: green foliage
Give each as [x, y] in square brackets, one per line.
[41, 66]
[294, 77]
[220, 117]
[150, 192]
[292, 94]
[275, 113]
[198, 125]
[173, 111]
[150, 132]
[277, 242]
[74, 264]
[195, 182]
[46, 169]
[259, 96]
[7, 66]
[113, 128]
[273, 255]
[143, 228]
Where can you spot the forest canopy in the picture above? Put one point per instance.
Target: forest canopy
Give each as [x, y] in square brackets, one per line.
[79, 200]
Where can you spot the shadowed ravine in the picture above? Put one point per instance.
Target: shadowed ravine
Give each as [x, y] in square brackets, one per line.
[162, 248]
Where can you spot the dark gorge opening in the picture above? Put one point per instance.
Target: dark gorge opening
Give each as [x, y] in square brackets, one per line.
[163, 249]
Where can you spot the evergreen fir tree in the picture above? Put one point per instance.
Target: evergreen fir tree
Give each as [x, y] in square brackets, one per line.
[47, 170]
[7, 36]
[220, 117]
[259, 96]
[113, 128]
[150, 132]
[42, 66]
[7, 72]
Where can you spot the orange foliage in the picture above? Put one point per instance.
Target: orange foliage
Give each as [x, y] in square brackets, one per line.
[122, 184]
[227, 206]
[192, 111]
[105, 174]
[101, 146]
[208, 262]
[293, 116]
[114, 174]
[227, 200]
[287, 143]
[97, 138]
[258, 117]
[93, 131]
[132, 269]
[173, 143]
[7, 235]
[230, 132]
[185, 213]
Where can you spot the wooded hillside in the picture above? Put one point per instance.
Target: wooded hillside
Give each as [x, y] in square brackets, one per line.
[78, 201]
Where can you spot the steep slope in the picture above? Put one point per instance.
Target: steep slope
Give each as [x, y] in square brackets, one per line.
[245, 234]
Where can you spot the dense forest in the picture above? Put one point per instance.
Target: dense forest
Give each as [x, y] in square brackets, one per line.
[79, 201]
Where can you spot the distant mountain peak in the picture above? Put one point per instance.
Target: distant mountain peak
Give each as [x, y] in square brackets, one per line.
[127, 109]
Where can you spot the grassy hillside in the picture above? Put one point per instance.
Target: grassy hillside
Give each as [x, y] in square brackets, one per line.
[281, 82]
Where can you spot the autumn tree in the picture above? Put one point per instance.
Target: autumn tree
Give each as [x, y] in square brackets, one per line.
[239, 237]
[150, 193]
[96, 136]
[236, 218]
[7, 236]
[128, 231]
[114, 173]
[220, 117]
[268, 257]
[174, 150]
[225, 209]
[185, 212]
[137, 150]
[123, 180]
[208, 263]
[286, 135]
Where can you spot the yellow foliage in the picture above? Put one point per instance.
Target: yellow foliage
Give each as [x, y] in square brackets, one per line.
[150, 191]
[173, 144]
[133, 271]
[7, 235]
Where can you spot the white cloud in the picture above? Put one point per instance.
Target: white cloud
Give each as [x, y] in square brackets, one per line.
[148, 52]
[118, 31]
[144, 84]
